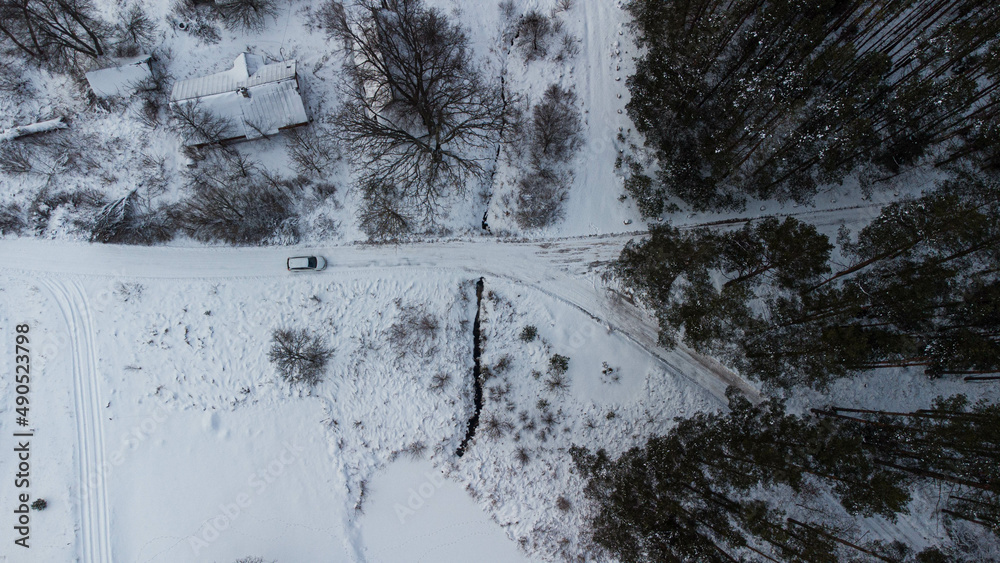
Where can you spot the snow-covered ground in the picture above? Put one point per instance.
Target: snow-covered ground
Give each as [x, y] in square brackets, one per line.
[164, 434]
[161, 432]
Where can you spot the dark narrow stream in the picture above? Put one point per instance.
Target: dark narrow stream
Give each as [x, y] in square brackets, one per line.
[476, 381]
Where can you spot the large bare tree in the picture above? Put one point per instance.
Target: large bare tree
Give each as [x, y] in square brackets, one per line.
[419, 112]
[52, 31]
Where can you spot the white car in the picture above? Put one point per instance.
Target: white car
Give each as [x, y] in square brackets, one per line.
[306, 263]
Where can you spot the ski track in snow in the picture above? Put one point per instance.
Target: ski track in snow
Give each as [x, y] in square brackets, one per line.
[71, 299]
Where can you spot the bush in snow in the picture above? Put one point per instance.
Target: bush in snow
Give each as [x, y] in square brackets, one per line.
[15, 158]
[533, 35]
[528, 333]
[298, 356]
[440, 381]
[246, 15]
[539, 198]
[554, 133]
[558, 364]
[415, 328]
[39, 504]
[128, 220]
[555, 126]
[11, 220]
[235, 202]
[83, 202]
[495, 426]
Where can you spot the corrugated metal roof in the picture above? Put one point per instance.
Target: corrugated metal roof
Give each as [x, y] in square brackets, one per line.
[248, 71]
[270, 107]
[122, 79]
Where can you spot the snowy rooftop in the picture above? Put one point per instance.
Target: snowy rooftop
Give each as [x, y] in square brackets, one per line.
[248, 71]
[122, 79]
[258, 99]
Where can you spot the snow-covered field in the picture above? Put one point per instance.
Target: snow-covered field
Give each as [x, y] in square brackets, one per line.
[154, 391]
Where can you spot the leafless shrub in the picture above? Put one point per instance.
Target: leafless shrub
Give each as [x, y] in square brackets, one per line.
[498, 392]
[235, 202]
[534, 32]
[563, 504]
[569, 47]
[246, 15]
[199, 126]
[15, 158]
[539, 199]
[555, 126]
[440, 381]
[549, 418]
[298, 356]
[415, 450]
[46, 202]
[503, 364]
[383, 215]
[495, 426]
[508, 9]
[155, 175]
[129, 220]
[557, 382]
[313, 153]
[12, 82]
[251, 559]
[11, 219]
[522, 455]
[563, 6]
[414, 329]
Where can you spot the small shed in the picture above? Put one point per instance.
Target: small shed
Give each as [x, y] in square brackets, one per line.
[123, 79]
[258, 99]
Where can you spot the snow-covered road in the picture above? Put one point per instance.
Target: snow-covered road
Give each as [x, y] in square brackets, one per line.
[565, 269]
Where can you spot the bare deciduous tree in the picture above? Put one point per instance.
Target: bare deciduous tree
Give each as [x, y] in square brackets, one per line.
[419, 113]
[313, 153]
[534, 32]
[246, 15]
[52, 31]
[234, 201]
[199, 126]
[135, 31]
[383, 216]
[298, 356]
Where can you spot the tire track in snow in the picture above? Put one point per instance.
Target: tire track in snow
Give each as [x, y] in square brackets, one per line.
[95, 536]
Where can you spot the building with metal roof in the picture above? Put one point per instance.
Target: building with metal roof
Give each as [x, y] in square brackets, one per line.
[257, 99]
[122, 80]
